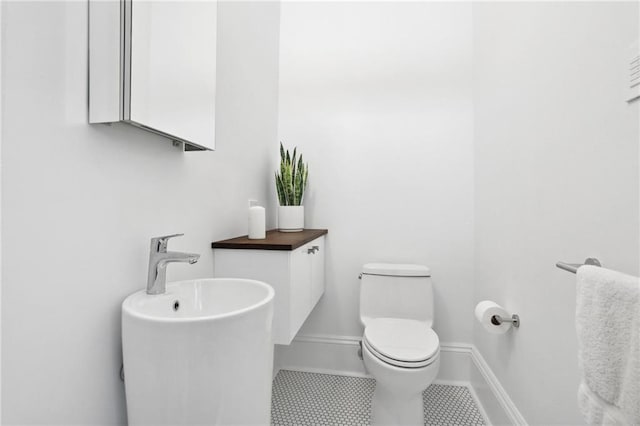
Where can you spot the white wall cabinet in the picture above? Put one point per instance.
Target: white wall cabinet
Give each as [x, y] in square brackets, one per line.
[292, 263]
[157, 80]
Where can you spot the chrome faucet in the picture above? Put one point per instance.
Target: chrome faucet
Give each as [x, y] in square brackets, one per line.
[159, 257]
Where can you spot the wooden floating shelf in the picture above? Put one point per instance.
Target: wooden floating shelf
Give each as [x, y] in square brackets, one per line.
[275, 240]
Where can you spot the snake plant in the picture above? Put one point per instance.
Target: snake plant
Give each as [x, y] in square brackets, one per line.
[291, 180]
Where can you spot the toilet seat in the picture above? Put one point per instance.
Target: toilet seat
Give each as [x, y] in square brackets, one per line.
[402, 342]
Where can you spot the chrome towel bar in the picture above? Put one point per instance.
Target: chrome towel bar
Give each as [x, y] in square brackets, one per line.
[573, 267]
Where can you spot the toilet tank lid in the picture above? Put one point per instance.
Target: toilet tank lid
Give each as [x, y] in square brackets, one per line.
[396, 270]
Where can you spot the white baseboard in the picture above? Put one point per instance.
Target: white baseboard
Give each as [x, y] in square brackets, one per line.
[321, 354]
[492, 396]
[460, 364]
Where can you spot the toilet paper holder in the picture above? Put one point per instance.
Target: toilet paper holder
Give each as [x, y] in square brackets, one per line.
[514, 320]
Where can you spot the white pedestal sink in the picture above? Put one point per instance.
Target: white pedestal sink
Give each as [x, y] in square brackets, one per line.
[201, 353]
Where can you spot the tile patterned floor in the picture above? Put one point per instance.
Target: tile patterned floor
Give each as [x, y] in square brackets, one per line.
[324, 399]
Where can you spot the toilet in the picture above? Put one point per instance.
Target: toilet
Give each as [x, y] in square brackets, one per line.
[399, 347]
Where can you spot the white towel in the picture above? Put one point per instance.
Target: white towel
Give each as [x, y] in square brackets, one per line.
[596, 411]
[608, 327]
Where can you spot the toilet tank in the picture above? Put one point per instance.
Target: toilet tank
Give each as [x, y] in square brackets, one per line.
[389, 290]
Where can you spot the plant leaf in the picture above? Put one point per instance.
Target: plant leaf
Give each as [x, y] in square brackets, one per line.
[288, 184]
[298, 188]
[304, 182]
[280, 189]
[293, 163]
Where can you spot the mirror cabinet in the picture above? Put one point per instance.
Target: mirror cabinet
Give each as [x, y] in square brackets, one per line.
[152, 64]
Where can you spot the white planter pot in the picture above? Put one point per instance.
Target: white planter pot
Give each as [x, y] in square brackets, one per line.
[290, 218]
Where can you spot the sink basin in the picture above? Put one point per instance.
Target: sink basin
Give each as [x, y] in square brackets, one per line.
[201, 353]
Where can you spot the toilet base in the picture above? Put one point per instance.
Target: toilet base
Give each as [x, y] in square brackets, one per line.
[397, 398]
[391, 408]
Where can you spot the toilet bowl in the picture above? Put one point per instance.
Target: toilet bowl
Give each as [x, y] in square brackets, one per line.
[399, 347]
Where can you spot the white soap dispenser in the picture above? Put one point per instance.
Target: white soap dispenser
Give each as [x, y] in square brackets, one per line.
[257, 221]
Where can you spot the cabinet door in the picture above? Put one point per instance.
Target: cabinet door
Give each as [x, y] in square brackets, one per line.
[300, 289]
[317, 271]
[271, 267]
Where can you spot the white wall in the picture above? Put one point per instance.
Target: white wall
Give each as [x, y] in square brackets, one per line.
[80, 202]
[378, 98]
[1, 67]
[556, 179]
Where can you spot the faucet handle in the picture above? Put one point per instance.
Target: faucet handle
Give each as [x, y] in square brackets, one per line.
[159, 244]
